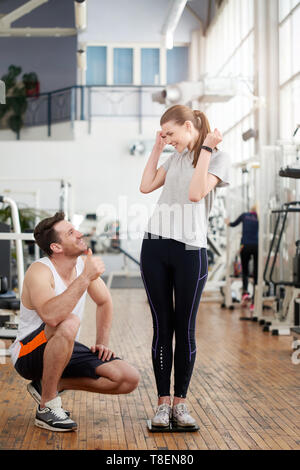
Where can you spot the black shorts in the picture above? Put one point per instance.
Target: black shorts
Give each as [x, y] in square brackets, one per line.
[29, 364]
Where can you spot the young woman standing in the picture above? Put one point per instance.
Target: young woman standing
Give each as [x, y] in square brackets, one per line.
[173, 254]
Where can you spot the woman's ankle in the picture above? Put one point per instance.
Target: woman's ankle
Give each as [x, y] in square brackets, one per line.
[164, 399]
[177, 400]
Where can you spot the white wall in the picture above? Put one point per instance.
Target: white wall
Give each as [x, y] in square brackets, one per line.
[133, 21]
[99, 165]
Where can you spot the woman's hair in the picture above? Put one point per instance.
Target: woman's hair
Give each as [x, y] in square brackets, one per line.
[180, 114]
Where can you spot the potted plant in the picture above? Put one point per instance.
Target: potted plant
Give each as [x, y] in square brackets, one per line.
[12, 113]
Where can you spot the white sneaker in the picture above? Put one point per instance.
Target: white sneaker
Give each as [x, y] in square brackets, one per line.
[181, 416]
[162, 416]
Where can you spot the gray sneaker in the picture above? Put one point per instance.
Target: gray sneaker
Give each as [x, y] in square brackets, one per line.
[181, 416]
[53, 417]
[162, 416]
[35, 390]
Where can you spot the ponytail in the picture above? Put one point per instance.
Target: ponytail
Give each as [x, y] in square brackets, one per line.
[202, 125]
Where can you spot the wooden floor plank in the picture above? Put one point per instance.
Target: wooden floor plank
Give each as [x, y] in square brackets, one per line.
[244, 392]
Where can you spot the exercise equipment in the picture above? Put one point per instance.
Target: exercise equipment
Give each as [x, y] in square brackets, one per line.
[108, 241]
[216, 252]
[65, 192]
[279, 184]
[9, 304]
[171, 428]
[285, 292]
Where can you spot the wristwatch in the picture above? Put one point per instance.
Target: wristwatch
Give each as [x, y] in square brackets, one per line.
[209, 149]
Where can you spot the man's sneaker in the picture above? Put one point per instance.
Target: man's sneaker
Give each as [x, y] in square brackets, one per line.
[53, 417]
[162, 416]
[181, 416]
[35, 390]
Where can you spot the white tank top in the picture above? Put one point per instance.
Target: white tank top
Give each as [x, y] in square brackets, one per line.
[29, 320]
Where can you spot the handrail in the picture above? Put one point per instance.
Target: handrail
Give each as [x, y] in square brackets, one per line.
[59, 90]
[48, 108]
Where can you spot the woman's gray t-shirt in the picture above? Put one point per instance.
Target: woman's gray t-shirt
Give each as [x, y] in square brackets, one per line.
[175, 216]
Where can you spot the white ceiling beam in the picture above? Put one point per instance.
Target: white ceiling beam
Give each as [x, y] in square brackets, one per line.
[172, 20]
[14, 15]
[37, 32]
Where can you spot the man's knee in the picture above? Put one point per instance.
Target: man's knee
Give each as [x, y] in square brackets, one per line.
[125, 376]
[131, 379]
[68, 328]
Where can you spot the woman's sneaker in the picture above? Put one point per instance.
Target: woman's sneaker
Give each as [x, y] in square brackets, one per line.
[181, 416]
[53, 417]
[245, 298]
[162, 416]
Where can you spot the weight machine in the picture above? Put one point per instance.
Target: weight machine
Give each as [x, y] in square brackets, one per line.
[276, 292]
[9, 303]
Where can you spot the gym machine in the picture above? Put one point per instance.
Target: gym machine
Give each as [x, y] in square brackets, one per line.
[276, 294]
[9, 303]
[286, 294]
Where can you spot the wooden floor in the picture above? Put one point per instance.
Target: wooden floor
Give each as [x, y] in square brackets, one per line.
[244, 392]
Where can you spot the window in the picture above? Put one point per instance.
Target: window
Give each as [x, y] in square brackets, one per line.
[150, 66]
[123, 66]
[289, 66]
[96, 57]
[177, 64]
[230, 42]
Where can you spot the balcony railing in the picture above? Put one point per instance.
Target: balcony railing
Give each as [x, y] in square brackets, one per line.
[87, 102]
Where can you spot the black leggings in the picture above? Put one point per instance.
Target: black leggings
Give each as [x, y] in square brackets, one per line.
[169, 266]
[246, 253]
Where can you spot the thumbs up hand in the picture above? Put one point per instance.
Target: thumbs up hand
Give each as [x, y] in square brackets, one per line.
[93, 266]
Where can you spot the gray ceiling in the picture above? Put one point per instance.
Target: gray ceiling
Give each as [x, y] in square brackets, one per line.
[204, 9]
[61, 12]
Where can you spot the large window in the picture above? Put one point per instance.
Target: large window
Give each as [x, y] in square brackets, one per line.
[230, 53]
[147, 65]
[289, 66]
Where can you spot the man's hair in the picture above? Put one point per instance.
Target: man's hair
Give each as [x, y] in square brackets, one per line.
[45, 234]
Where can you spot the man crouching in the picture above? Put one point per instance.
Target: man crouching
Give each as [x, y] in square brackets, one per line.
[46, 350]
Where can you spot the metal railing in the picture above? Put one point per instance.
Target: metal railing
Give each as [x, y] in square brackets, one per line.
[86, 102]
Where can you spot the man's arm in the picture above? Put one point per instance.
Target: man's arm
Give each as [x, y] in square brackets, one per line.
[102, 298]
[52, 308]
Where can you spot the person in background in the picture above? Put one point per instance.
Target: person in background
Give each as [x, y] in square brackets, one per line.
[249, 248]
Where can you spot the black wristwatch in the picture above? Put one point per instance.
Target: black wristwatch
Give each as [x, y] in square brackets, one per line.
[209, 149]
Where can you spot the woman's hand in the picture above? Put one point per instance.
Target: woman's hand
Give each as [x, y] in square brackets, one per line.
[104, 353]
[213, 139]
[160, 143]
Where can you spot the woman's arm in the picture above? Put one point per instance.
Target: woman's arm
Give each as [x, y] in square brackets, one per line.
[237, 221]
[203, 182]
[153, 178]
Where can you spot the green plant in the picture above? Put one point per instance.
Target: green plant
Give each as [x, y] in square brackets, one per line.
[27, 216]
[16, 101]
